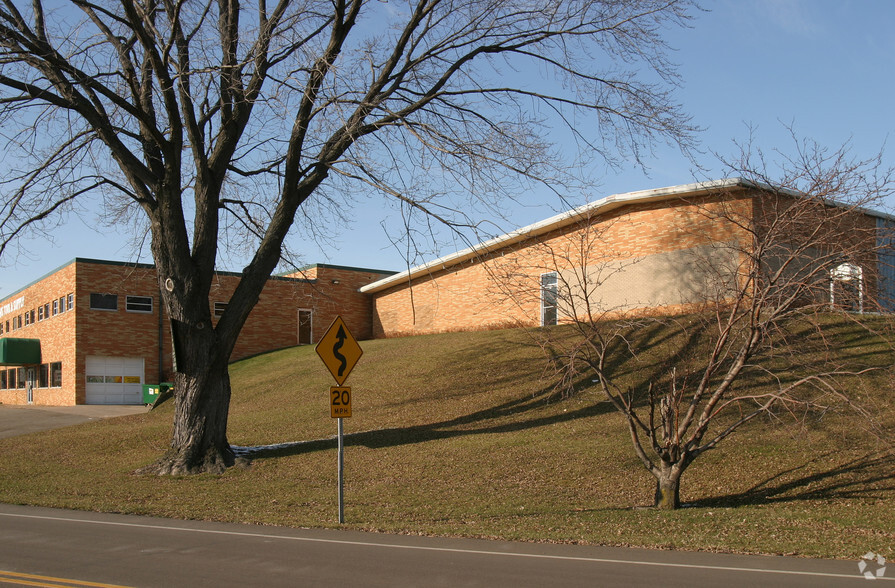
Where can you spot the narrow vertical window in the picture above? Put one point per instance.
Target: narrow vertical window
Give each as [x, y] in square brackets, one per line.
[549, 295]
[56, 374]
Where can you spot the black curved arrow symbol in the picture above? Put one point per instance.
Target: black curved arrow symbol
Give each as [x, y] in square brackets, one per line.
[340, 336]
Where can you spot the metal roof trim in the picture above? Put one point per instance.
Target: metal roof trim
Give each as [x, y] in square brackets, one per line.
[560, 220]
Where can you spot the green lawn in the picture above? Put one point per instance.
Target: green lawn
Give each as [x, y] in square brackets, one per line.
[458, 434]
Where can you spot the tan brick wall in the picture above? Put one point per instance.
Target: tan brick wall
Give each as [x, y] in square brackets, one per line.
[70, 337]
[56, 334]
[503, 289]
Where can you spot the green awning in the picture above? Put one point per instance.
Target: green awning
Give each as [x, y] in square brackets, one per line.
[19, 351]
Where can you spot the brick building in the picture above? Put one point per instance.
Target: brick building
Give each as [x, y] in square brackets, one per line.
[653, 251]
[93, 332]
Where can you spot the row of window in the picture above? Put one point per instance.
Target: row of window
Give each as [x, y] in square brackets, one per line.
[136, 303]
[41, 313]
[131, 303]
[48, 375]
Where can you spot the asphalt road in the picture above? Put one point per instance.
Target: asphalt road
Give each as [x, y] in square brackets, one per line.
[40, 546]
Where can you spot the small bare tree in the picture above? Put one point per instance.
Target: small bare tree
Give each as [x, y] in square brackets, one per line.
[222, 125]
[772, 265]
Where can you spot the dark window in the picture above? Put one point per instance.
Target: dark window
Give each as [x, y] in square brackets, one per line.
[104, 301]
[56, 374]
[2, 379]
[549, 295]
[21, 378]
[219, 308]
[43, 380]
[138, 303]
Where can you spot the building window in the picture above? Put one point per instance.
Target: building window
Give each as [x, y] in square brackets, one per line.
[20, 377]
[62, 304]
[549, 295]
[56, 374]
[847, 287]
[32, 316]
[219, 308]
[3, 380]
[103, 301]
[43, 377]
[40, 313]
[70, 302]
[138, 303]
[47, 310]
[55, 307]
[27, 318]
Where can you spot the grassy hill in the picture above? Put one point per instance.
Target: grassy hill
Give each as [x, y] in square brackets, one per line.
[458, 434]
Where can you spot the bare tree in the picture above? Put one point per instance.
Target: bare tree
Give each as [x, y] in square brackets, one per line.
[217, 122]
[765, 274]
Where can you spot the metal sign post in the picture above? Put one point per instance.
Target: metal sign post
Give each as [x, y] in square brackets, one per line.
[339, 351]
[341, 474]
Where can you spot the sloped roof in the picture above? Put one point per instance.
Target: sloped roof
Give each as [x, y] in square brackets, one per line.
[602, 205]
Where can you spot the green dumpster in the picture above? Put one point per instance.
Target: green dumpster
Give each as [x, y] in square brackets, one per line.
[151, 392]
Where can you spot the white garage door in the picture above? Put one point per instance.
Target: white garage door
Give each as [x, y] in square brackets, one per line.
[114, 380]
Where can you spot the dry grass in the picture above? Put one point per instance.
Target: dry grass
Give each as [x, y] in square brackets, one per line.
[457, 434]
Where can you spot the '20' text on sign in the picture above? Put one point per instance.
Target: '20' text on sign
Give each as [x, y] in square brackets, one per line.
[340, 402]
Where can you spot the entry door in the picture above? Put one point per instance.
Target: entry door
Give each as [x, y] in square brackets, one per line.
[305, 323]
[30, 383]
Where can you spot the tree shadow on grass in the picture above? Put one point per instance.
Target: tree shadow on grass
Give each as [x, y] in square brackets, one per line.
[503, 418]
[867, 476]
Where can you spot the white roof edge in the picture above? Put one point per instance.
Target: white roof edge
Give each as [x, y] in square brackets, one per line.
[549, 224]
[563, 219]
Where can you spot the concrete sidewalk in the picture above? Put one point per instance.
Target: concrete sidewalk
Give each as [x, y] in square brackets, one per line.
[19, 420]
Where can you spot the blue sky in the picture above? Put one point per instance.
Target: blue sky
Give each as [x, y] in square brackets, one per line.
[823, 66]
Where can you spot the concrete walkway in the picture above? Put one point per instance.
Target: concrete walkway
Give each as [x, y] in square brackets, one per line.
[19, 420]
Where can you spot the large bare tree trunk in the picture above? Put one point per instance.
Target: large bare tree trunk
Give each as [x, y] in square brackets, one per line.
[201, 405]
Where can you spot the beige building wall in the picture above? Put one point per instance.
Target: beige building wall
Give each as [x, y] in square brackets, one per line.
[635, 248]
